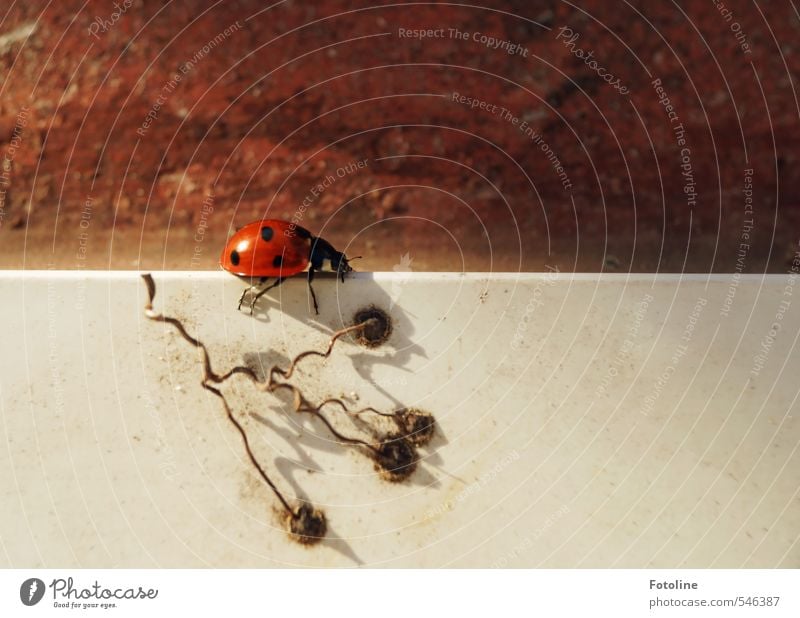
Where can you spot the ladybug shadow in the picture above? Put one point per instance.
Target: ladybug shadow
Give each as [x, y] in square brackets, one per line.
[339, 305]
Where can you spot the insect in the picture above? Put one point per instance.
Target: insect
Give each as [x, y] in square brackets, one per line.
[272, 248]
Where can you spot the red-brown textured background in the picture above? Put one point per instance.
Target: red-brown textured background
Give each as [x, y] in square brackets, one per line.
[304, 88]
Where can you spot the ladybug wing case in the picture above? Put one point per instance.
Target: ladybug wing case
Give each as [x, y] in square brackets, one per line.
[263, 249]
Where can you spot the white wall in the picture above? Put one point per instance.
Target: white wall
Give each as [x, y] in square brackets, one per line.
[558, 446]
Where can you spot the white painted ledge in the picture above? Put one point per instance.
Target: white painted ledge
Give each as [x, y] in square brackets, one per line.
[576, 430]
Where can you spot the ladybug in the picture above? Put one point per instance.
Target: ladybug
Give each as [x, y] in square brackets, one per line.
[272, 248]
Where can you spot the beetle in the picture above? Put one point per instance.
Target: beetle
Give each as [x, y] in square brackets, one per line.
[273, 248]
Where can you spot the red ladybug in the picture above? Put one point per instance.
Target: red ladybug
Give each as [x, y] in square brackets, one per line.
[278, 249]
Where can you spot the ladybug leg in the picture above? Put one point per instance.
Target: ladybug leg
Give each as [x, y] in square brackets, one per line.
[241, 298]
[251, 288]
[263, 291]
[310, 287]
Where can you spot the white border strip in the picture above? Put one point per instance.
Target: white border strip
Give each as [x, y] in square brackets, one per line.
[404, 593]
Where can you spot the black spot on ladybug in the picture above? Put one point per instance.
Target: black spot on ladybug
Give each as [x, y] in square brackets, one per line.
[277, 261]
[266, 233]
[235, 257]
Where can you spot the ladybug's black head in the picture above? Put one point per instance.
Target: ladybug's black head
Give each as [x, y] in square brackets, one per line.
[322, 250]
[341, 266]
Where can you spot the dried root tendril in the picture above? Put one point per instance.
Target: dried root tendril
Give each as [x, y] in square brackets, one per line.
[395, 455]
